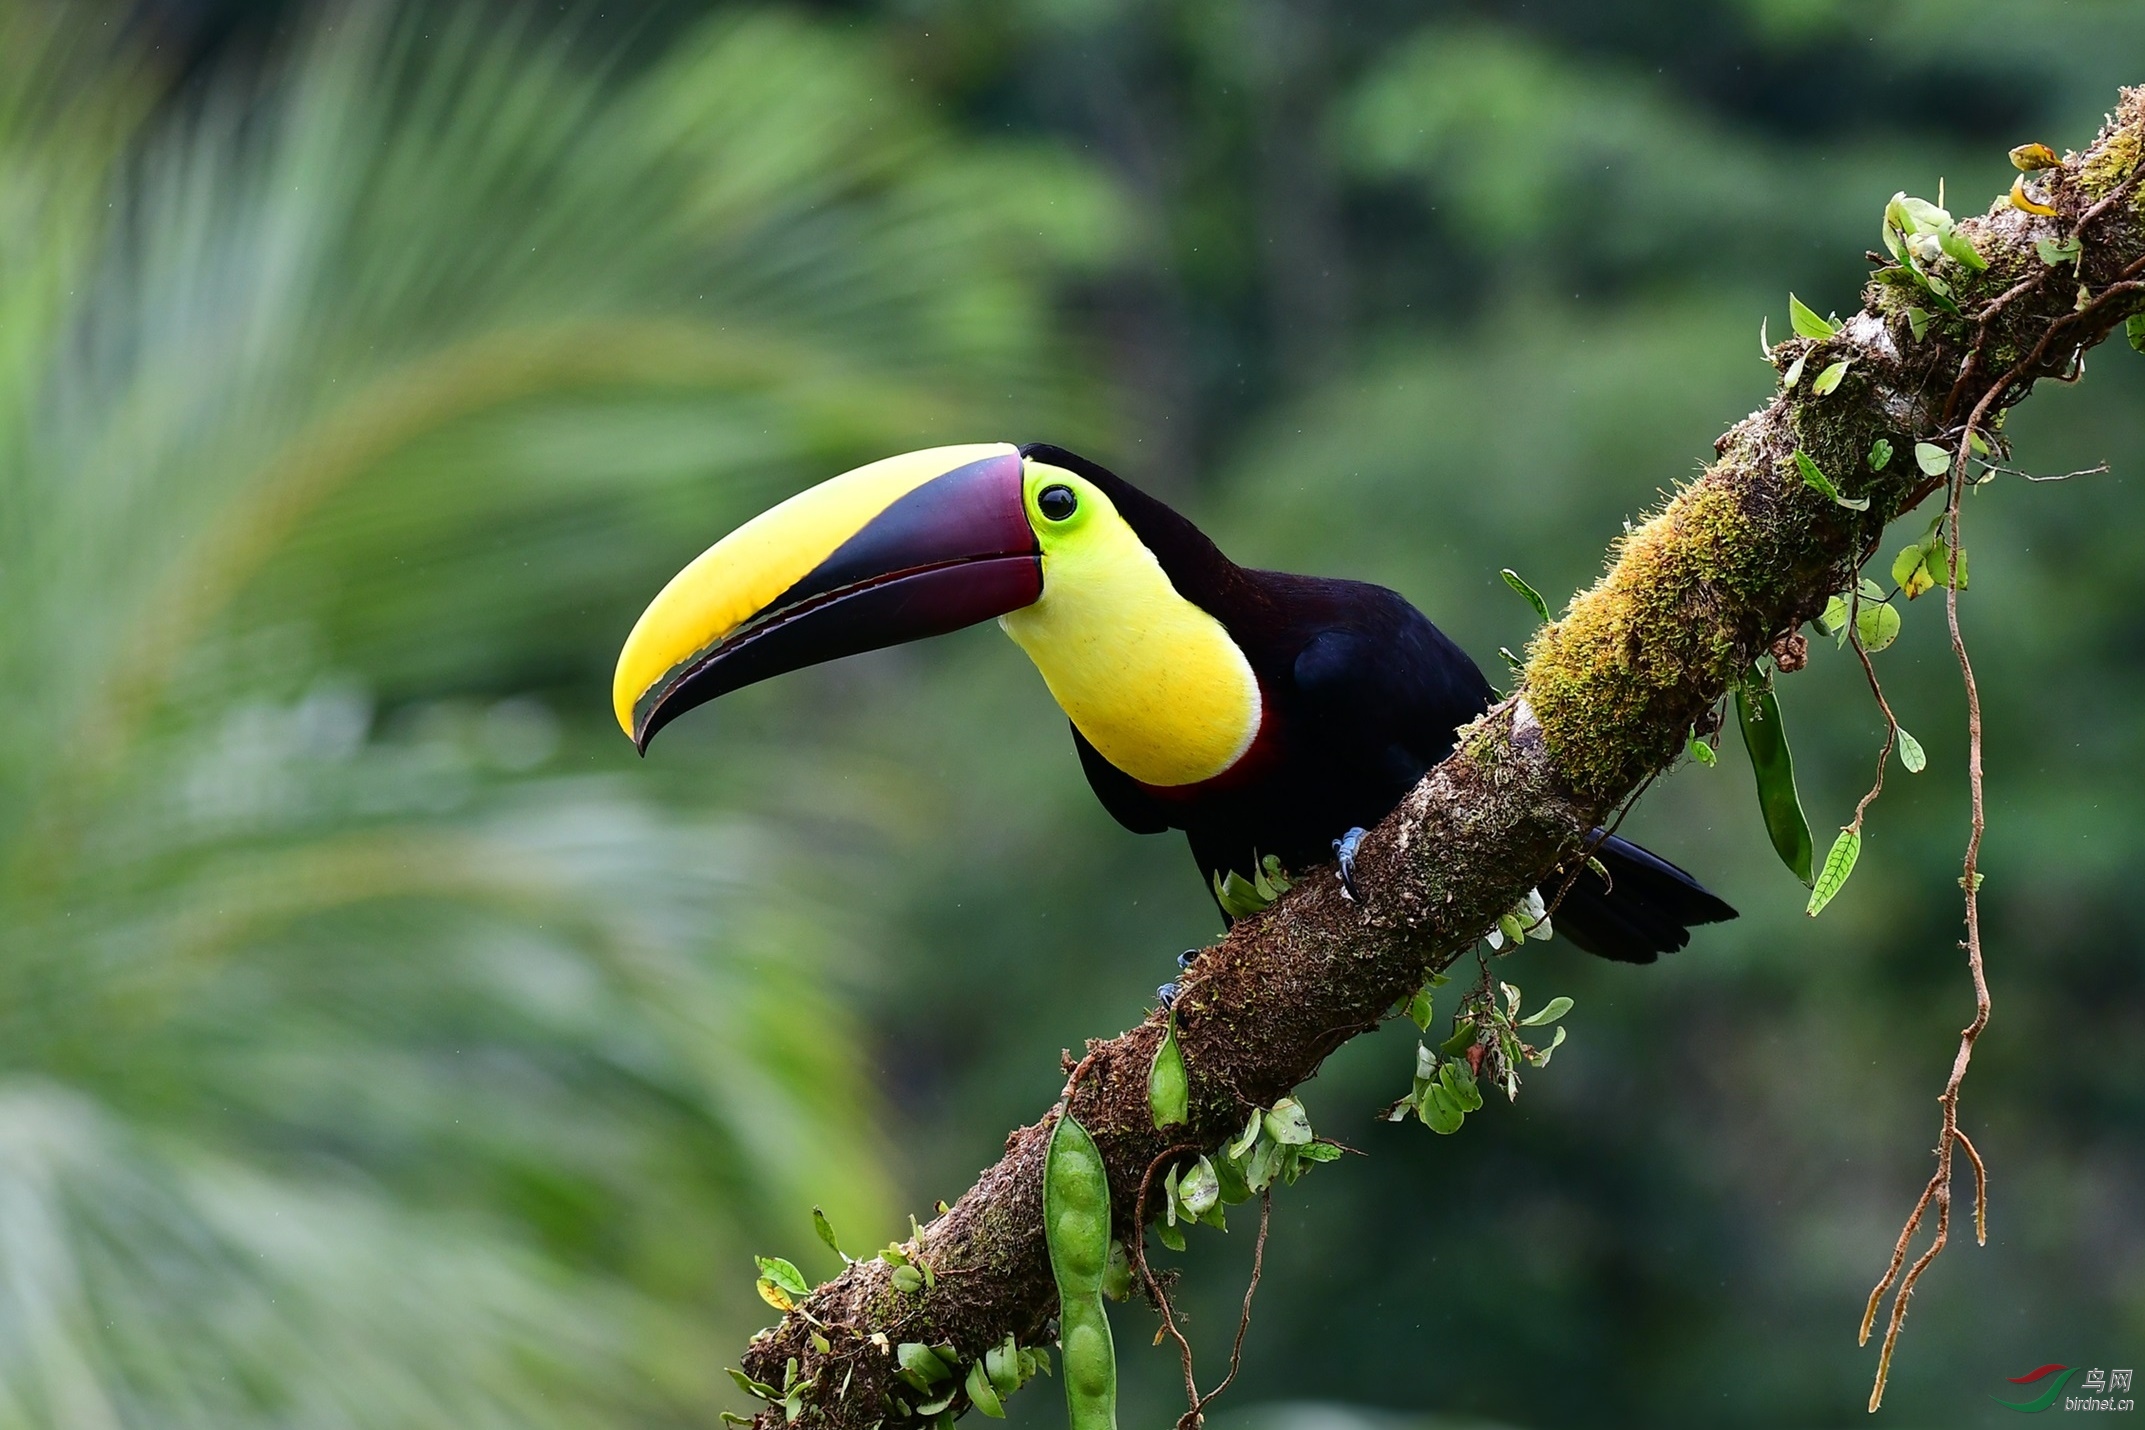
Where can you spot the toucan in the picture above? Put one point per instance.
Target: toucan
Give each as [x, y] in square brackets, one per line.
[1264, 714]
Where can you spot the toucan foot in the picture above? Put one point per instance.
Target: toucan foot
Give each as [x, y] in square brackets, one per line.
[1344, 849]
[1166, 994]
[1184, 959]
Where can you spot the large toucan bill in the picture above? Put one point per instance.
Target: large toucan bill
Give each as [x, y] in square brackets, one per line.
[1259, 712]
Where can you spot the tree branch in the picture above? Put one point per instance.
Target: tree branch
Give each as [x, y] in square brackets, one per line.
[1744, 555]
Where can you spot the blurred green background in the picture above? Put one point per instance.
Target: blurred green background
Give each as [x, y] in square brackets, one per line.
[382, 1044]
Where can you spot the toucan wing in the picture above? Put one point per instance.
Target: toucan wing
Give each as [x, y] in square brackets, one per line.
[1388, 686]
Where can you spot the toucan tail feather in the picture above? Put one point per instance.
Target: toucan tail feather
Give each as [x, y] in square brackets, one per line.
[1647, 908]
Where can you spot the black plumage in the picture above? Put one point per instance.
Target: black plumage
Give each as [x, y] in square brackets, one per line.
[1362, 695]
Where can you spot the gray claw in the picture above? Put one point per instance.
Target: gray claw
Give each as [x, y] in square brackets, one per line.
[1184, 959]
[1344, 849]
[1166, 994]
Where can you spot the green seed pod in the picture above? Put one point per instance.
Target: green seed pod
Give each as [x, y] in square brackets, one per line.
[1090, 1370]
[1167, 1090]
[1076, 1225]
[1117, 1276]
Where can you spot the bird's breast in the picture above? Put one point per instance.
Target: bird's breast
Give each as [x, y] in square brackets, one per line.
[1155, 683]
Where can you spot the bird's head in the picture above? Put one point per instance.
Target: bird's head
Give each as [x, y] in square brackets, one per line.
[904, 548]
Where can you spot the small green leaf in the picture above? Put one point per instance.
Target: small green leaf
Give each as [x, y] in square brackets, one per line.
[1549, 1012]
[1702, 751]
[1807, 323]
[1439, 1112]
[1918, 322]
[921, 1361]
[1877, 625]
[1896, 217]
[1420, 1009]
[1765, 344]
[758, 1389]
[1880, 455]
[1834, 618]
[1167, 1090]
[2054, 254]
[1002, 1362]
[1321, 1152]
[1838, 865]
[1271, 872]
[1248, 1138]
[1815, 479]
[1919, 215]
[1287, 1124]
[1774, 765]
[982, 1394]
[1960, 249]
[1910, 570]
[2134, 329]
[1198, 1190]
[1234, 1188]
[906, 1278]
[1170, 1236]
[1911, 754]
[1264, 1162]
[825, 1229]
[1534, 597]
[1829, 379]
[1932, 459]
[784, 1275]
[1238, 896]
[1541, 1055]
[1463, 1037]
[1794, 373]
[1459, 1085]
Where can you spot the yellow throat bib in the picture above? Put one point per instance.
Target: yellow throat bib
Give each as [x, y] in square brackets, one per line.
[1153, 682]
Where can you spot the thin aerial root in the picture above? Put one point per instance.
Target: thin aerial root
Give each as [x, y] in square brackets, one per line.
[1193, 1418]
[1156, 1291]
[1981, 1188]
[1906, 1289]
[1899, 1259]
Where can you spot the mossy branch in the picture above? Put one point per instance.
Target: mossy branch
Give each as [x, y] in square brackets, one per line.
[1734, 562]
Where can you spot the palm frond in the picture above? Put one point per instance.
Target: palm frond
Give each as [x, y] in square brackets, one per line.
[471, 1081]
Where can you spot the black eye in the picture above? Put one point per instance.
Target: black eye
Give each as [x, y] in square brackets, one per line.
[1057, 503]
